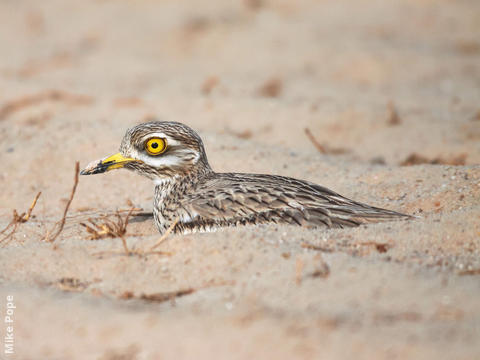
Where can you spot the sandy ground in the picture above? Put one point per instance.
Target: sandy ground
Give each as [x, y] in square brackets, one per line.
[374, 81]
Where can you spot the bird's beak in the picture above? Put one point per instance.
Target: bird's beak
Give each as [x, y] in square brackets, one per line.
[116, 161]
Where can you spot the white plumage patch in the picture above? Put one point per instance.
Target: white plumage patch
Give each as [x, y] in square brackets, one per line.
[162, 181]
[159, 161]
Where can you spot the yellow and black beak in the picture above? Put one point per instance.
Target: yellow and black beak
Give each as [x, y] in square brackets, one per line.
[116, 161]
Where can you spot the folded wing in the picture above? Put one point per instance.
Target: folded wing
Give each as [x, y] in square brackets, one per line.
[232, 199]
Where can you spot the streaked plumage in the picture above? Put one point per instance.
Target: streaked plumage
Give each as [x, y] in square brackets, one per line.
[189, 191]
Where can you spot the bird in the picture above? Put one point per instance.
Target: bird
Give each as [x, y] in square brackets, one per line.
[190, 197]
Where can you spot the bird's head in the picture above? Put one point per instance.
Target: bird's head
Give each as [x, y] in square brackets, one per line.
[159, 150]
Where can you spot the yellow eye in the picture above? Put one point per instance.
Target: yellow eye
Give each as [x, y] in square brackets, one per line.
[155, 146]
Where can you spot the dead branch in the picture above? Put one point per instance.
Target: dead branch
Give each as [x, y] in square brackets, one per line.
[105, 227]
[165, 236]
[19, 219]
[324, 149]
[314, 141]
[416, 159]
[109, 228]
[60, 224]
[172, 295]
[307, 245]
[166, 296]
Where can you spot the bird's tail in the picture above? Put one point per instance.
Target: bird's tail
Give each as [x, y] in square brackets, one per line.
[354, 214]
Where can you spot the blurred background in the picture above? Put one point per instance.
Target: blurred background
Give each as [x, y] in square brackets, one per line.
[347, 94]
[378, 79]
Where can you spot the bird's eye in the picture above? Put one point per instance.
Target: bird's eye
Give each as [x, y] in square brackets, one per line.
[155, 146]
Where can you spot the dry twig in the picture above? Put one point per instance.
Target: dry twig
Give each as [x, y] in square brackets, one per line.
[165, 235]
[416, 159]
[110, 228]
[167, 296]
[324, 149]
[172, 295]
[61, 223]
[106, 227]
[314, 141]
[19, 219]
[307, 245]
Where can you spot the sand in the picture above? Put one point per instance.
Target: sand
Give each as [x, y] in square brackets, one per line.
[376, 83]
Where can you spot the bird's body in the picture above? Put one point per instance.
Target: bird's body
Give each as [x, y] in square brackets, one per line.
[189, 194]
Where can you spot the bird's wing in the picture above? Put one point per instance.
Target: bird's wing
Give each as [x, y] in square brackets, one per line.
[231, 198]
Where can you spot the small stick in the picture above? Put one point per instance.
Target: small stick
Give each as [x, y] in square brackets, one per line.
[134, 252]
[125, 246]
[62, 221]
[19, 219]
[113, 229]
[172, 295]
[164, 236]
[123, 230]
[9, 224]
[15, 223]
[307, 245]
[315, 142]
[166, 296]
[30, 209]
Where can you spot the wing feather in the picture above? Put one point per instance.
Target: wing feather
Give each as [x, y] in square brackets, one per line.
[231, 198]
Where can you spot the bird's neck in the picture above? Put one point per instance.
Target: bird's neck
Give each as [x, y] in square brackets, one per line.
[169, 191]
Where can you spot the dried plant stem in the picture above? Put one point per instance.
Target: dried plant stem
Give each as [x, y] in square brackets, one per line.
[124, 231]
[167, 296]
[165, 236]
[324, 149]
[105, 227]
[307, 245]
[13, 222]
[61, 223]
[315, 142]
[19, 219]
[30, 209]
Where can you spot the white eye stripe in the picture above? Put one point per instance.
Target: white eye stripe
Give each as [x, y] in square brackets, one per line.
[152, 135]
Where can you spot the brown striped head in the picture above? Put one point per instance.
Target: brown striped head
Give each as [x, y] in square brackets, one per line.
[159, 150]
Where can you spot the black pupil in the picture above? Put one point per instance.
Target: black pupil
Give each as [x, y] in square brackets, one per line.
[155, 145]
